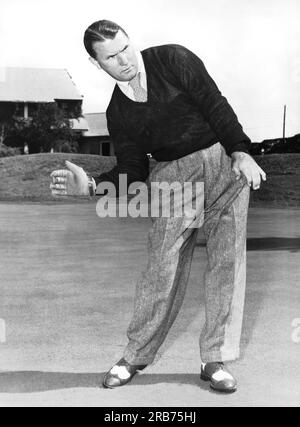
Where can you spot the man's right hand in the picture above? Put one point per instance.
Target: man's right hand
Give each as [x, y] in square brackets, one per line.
[70, 182]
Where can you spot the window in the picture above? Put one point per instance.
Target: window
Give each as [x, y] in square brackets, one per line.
[105, 149]
[31, 109]
[19, 111]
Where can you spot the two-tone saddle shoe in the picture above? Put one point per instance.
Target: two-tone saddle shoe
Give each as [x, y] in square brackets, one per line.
[220, 378]
[121, 373]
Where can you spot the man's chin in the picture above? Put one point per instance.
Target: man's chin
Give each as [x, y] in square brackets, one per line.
[126, 77]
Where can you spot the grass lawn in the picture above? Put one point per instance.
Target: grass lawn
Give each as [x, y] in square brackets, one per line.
[26, 178]
[282, 188]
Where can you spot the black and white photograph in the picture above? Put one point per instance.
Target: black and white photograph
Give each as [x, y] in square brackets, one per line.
[150, 206]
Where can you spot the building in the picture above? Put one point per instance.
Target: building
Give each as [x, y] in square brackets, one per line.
[95, 139]
[23, 89]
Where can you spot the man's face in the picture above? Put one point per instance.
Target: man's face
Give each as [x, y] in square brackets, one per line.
[117, 57]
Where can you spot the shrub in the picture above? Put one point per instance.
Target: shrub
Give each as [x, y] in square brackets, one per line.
[64, 146]
[6, 151]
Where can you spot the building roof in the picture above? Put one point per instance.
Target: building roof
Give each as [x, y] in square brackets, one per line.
[37, 85]
[79, 124]
[97, 125]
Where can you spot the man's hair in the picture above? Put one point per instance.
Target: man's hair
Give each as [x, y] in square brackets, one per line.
[99, 32]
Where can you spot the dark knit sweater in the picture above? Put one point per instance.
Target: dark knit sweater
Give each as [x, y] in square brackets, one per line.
[185, 112]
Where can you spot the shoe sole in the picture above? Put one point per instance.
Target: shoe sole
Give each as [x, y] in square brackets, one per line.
[120, 385]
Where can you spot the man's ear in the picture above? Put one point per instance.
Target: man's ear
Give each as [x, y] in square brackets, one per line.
[95, 62]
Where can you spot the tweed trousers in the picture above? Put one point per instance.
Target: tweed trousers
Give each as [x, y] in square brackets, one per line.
[171, 242]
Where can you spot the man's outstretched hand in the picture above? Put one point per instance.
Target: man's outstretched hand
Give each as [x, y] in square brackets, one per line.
[70, 182]
[244, 164]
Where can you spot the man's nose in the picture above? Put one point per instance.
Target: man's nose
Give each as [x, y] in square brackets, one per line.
[122, 58]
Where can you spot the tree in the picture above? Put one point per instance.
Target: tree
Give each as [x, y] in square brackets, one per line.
[7, 110]
[48, 124]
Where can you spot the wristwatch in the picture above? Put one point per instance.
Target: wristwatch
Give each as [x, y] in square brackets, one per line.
[92, 186]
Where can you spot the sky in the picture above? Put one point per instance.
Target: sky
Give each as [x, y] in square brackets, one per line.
[250, 47]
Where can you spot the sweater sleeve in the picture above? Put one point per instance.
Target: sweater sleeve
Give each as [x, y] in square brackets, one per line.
[214, 107]
[131, 159]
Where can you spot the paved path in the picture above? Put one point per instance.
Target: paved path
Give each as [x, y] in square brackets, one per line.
[67, 282]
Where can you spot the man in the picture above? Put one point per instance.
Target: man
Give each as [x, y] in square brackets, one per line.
[166, 104]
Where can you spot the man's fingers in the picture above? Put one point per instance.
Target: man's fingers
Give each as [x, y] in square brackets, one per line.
[58, 187]
[249, 179]
[247, 174]
[257, 176]
[256, 181]
[262, 174]
[59, 173]
[236, 172]
[59, 180]
[251, 171]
